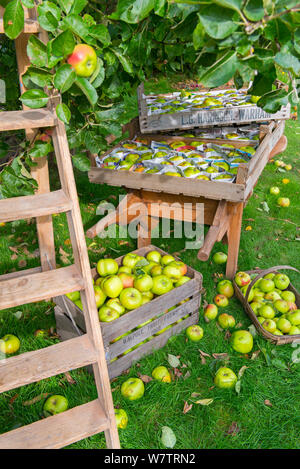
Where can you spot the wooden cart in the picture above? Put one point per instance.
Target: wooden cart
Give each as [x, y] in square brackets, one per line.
[223, 201]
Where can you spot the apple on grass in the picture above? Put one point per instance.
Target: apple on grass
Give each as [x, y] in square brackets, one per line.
[55, 405]
[225, 288]
[194, 333]
[274, 190]
[161, 373]
[131, 298]
[133, 389]
[241, 341]
[221, 300]
[83, 60]
[226, 321]
[220, 258]
[283, 201]
[210, 313]
[121, 418]
[225, 378]
[9, 344]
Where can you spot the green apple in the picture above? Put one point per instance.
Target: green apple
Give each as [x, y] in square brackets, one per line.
[9, 344]
[121, 418]
[242, 279]
[108, 314]
[272, 296]
[283, 201]
[269, 325]
[74, 296]
[210, 313]
[225, 378]
[112, 286]
[281, 281]
[288, 296]
[133, 389]
[194, 333]
[156, 270]
[274, 190]
[241, 341]
[283, 325]
[173, 272]
[78, 303]
[166, 259]
[294, 317]
[124, 269]
[130, 260]
[55, 405]
[219, 258]
[282, 306]
[107, 267]
[143, 283]
[221, 300]
[154, 256]
[147, 268]
[100, 296]
[261, 319]
[115, 303]
[131, 298]
[225, 288]
[147, 295]
[266, 285]
[294, 330]
[182, 281]
[266, 311]
[181, 265]
[255, 305]
[161, 373]
[271, 275]
[163, 330]
[161, 285]
[226, 321]
[277, 332]
[251, 293]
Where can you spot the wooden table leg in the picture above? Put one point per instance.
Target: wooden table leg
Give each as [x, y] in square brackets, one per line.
[146, 225]
[234, 235]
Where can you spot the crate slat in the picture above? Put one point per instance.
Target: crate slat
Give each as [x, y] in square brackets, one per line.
[30, 119]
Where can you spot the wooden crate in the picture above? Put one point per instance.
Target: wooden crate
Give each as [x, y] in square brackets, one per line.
[239, 191]
[275, 339]
[190, 291]
[203, 117]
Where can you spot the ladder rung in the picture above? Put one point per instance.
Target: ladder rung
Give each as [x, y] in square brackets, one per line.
[38, 205]
[30, 119]
[30, 26]
[59, 430]
[38, 286]
[30, 367]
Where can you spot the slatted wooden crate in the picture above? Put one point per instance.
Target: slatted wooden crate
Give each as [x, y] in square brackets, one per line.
[186, 299]
[203, 117]
[239, 191]
[275, 339]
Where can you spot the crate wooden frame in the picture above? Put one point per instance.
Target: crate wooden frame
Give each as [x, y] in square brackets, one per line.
[223, 202]
[202, 118]
[110, 331]
[277, 340]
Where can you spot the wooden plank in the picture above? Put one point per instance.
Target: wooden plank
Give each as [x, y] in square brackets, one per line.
[59, 430]
[29, 119]
[38, 205]
[38, 286]
[234, 235]
[21, 273]
[30, 26]
[30, 367]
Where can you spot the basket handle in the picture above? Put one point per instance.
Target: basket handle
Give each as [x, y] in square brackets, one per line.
[265, 272]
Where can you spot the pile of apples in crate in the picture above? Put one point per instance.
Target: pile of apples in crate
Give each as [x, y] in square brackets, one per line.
[120, 289]
[272, 303]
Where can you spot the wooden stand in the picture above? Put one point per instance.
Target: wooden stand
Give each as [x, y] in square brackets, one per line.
[46, 281]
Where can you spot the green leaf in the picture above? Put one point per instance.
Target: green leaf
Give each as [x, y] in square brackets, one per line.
[64, 78]
[217, 22]
[63, 113]
[98, 76]
[133, 11]
[232, 4]
[38, 76]
[28, 3]
[168, 437]
[34, 99]
[78, 6]
[88, 90]
[78, 27]
[66, 5]
[100, 32]
[48, 22]
[124, 60]
[221, 71]
[254, 10]
[198, 36]
[13, 19]
[160, 7]
[63, 45]
[273, 101]
[81, 162]
[288, 61]
[37, 51]
[45, 7]
[40, 149]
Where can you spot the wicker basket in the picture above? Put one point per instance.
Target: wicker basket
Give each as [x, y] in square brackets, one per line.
[275, 339]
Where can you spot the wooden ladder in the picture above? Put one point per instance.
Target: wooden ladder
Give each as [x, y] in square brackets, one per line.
[46, 281]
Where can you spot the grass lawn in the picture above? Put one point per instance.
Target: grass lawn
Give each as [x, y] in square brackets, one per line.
[265, 414]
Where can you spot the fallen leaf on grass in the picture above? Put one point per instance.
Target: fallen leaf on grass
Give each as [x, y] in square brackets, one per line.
[255, 354]
[221, 356]
[67, 242]
[173, 361]
[145, 378]
[242, 371]
[248, 228]
[69, 378]
[64, 256]
[268, 403]
[204, 401]
[177, 373]
[187, 375]
[13, 249]
[187, 407]
[123, 243]
[12, 400]
[195, 394]
[233, 430]
[36, 399]
[168, 437]
[22, 263]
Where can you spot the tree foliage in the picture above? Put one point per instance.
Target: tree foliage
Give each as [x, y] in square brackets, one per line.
[211, 40]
